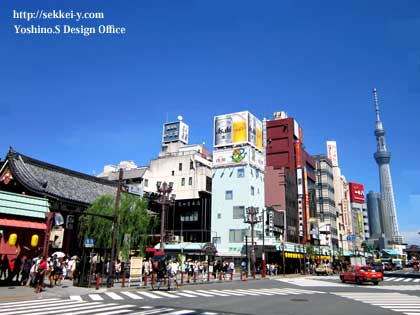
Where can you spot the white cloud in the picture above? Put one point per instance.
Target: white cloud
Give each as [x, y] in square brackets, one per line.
[411, 237]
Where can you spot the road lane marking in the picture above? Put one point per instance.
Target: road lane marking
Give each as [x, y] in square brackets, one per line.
[132, 295]
[114, 296]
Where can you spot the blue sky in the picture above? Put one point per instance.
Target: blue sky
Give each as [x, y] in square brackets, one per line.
[83, 102]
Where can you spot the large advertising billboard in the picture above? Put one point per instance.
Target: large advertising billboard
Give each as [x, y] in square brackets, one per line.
[175, 131]
[237, 128]
[332, 152]
[357, 193]
[238, 156]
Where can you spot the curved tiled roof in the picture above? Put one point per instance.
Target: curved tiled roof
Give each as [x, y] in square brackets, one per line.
[57, 182]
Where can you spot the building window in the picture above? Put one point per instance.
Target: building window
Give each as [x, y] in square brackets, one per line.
[183, 181]
[189, 216]
[238, 212]
[171, 184]
[228, 194]
[190, 181]
[219, 215]
[236, 235]
[241, 172]
[191, 165]
[217, 240]
[180, 166]
[158, 184]
[146, 182]
[173, 173]
[257, 173]
[252, 191]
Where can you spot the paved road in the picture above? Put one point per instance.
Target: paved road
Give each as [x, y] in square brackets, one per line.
[303, 295]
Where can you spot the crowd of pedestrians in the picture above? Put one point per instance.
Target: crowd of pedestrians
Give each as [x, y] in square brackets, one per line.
[36, 271]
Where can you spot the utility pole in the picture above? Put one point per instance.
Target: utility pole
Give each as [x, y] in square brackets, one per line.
[114, 230]
[263, 262]
[164, 190]
[251, 218]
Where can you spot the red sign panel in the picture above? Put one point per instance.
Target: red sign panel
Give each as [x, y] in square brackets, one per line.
[298, 154]
[357, 193]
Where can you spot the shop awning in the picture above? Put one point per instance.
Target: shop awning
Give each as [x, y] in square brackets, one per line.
[23, 224]
[391, 252]
[28, 206]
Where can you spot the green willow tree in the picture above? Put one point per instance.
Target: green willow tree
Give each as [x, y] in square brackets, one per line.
[135, 224]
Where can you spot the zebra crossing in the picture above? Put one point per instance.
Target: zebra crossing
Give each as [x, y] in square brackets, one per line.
[401, 279]
[179, 294]
[404, 303]
[389, 283]
[314, 282]
[80, 307]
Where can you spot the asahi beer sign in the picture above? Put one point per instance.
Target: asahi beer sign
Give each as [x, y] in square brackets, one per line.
[237, 128]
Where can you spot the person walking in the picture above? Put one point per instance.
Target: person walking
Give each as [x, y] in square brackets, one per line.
[40, 273]
[4, 267]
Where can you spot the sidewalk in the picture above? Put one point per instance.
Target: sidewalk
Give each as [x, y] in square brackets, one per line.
[19, 293]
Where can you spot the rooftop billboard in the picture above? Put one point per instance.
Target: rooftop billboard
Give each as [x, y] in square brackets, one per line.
[175, 131]
[237, 128]
[357, 193]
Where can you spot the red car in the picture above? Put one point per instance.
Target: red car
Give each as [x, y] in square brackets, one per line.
[360, 274]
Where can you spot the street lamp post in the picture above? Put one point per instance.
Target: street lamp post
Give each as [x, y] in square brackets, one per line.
[164, 190]
[251, 218]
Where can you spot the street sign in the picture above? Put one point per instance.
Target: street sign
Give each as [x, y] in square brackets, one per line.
[89, 243]
[351, 237]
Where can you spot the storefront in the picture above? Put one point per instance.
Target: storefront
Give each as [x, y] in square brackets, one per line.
[22, 224]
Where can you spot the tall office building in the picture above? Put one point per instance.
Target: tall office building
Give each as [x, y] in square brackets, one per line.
[382, 158]
[237, 181]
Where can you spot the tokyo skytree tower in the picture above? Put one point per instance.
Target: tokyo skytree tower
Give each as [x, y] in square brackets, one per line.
[382, 157]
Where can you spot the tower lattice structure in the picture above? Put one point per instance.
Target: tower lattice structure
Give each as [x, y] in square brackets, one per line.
[382, 158]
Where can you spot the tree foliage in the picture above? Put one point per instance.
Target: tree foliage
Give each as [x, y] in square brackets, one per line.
[134, 223]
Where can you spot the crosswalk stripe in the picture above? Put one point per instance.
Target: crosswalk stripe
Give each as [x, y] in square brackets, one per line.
[114, 296]
[166, 294]
[408, 279]
[148, 294]
[181, 312]
[215, 292]
[186, 294]
[75, 298]
[33, 308]
[104, 307]
[113, 312]
[197, 293]
[233, 292]
[95, 297]
[397, 279]
[4, 305]
[416, 280]
[131, 295]
[37, 303]
[389, 279]
[263, 292]
[248, 292]
[153, 311]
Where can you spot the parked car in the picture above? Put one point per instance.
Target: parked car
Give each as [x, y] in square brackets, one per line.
[323, 270]
[360, 274]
